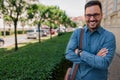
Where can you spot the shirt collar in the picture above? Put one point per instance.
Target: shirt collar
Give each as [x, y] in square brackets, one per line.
[99, 29]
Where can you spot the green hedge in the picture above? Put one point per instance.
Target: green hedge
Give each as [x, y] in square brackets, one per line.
[21, 32]
[12, 32]
[0, 33]
[34, 61]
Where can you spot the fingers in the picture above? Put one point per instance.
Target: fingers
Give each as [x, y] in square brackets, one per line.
[102, 52]
[76, 51]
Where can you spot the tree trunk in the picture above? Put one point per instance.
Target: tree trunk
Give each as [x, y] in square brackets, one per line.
[39, 32]
[50, 32]
[15, 32]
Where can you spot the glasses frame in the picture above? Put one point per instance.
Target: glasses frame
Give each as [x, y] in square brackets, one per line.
[95, 15]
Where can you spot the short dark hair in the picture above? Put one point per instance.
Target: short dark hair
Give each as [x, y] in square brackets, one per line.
[92, 3]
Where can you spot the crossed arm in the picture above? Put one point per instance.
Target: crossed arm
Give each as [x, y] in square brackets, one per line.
[101, 60]
[103, 52]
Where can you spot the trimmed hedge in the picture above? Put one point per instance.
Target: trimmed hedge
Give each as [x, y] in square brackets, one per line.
[34, 61]
[7, 33]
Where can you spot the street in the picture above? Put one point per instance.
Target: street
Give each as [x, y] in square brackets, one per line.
[10, 40]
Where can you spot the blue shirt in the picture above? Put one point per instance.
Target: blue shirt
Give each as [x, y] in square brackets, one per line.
[92, 67]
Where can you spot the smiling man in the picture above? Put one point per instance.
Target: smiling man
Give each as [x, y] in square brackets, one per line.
[98, 46]
[93, 15]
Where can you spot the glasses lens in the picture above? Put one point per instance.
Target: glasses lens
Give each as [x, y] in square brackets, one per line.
[96, 15]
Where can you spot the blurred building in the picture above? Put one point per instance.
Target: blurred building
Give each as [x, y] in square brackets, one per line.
[78, 20]
[111, 18]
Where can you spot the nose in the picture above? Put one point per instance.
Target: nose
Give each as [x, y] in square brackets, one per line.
[92, 18]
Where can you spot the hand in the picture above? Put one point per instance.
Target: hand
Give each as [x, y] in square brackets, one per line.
[76, 51]
[102, 52]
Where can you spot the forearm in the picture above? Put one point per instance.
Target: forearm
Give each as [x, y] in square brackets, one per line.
[73, 57]
[97, 61]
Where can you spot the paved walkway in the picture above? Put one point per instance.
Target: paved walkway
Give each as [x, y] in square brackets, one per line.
[114, 70]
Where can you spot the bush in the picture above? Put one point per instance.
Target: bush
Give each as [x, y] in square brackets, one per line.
[0, 33]
[34, 61]
[61, 33]
[6, 33]
[21, 32]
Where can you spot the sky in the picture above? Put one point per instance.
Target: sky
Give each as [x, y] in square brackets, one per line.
[73, 8]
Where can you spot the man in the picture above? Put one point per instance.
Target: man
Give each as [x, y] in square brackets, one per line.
[98, 46]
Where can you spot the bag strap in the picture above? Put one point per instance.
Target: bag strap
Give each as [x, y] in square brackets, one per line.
[81, 38]
[80, 47]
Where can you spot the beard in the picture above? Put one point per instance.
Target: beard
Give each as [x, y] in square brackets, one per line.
[93, 24]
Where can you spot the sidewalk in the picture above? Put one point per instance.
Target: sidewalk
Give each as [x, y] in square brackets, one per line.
[114, 70]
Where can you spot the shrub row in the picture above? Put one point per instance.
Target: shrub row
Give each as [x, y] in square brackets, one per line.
[11, 32]
[34, 61]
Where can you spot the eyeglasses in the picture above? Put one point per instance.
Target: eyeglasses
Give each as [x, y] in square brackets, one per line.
[96, 15]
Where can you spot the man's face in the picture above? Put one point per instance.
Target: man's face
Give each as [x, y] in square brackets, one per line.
[93, 17]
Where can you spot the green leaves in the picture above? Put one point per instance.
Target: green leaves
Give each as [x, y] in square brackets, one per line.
[34, 61]
[51, 16]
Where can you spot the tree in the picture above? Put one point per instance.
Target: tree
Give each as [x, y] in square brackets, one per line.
[60, 17]
[48, 15]
[55, 17]
[38, 14]
[13, 8]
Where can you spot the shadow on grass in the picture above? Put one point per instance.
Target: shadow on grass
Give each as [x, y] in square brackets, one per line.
[60, 70]
[11, 49]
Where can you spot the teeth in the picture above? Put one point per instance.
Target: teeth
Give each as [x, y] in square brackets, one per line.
[92, 23]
